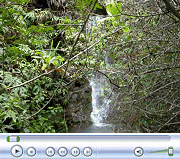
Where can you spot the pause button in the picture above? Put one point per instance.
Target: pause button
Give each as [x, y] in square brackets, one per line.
[75, 151]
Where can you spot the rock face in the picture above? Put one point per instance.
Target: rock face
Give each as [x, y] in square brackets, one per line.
[79, 105]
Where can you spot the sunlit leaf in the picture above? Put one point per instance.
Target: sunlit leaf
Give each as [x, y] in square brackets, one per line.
[114, 9]
[39, 53]
[126, 29]
[55, 62]
[102, 63]
[114, 23]
[48, 59]
[60, 58]
[111, 9]
[119, 7]
[44, 66]
[52, 44]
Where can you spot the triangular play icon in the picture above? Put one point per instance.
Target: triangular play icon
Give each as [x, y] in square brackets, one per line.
[16, 151]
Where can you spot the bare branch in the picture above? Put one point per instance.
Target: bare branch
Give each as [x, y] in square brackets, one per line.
[168, 121]
[151, 93]
[110, 80]
[160, 69]
[77, 38]
[172, 9]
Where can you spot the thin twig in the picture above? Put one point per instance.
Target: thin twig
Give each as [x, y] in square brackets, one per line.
[110, 80]
[77, 38]
[159, 69]
[65, 62]
[168, 121]
[46, 73]
[150, 93]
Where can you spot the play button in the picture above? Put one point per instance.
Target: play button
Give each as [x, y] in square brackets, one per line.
[16, 151]
[138, 151]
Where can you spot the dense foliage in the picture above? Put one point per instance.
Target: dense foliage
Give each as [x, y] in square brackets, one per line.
[45, 47]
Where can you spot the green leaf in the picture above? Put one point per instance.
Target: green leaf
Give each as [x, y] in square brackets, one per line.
[119, 7]
[21, 20]
[114, 9]
[83, 2]
[89, 2]
[114, 23]
[48, 22]
[17, 106]
[39, 53]
[140, 34]
[126, 29]
[44, 66]
[98, 6]
[60, 58]
[92, 62]
[52, 44]
[12, 37]
[65, 102]
[48, 59]
[55, 62]
[121, 24]
[102, 63]
[11, 114]
[111, 9]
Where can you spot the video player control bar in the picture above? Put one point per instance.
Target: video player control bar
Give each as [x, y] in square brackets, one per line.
[13, 146]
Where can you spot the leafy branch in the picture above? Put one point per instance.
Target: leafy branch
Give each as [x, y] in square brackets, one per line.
[46, 73]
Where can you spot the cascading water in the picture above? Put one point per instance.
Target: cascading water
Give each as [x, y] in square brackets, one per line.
[100, 99]
[101, 95]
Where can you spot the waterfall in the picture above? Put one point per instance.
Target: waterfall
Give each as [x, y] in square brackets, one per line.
[101, 93]
[101, 100]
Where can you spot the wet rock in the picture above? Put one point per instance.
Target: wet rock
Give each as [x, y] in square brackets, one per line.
[79, 106]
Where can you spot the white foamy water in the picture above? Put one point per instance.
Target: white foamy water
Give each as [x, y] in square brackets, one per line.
[100, 99]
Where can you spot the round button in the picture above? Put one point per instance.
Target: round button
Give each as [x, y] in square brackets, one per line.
[17, 151]
[138, 151]
[87, 151]
[63, 151]
[31, 151]
[75, 151]
[50, 151]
